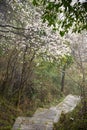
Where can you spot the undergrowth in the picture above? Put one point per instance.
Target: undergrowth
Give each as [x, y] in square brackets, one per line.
[8, 115]
[72, 121]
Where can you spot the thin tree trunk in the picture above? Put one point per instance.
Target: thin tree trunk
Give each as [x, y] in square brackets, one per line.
[22, 77]
[63, 78]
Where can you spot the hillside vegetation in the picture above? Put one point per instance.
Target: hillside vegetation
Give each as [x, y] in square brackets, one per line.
[38, 67]
[73, 120]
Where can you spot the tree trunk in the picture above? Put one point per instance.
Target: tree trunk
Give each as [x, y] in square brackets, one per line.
[63, 78]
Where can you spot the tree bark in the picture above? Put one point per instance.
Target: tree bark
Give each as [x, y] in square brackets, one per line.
[63, 78]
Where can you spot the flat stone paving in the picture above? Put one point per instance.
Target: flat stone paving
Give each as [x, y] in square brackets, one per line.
[43, 119]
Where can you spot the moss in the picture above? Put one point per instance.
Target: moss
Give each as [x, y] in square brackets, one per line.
[72, 121]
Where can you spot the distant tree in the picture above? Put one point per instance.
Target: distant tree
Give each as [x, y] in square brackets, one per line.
[65, 62]
[80, 58]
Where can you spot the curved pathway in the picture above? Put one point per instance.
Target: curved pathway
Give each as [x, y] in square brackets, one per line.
[43, 119]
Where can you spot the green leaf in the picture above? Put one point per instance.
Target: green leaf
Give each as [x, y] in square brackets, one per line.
[62, 33]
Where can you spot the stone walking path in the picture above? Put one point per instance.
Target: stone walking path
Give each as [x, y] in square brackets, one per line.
[43, 119]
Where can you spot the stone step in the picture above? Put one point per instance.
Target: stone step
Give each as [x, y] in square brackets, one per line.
[43, 119]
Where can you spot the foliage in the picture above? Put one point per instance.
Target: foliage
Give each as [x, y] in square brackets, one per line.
[64, 14]
[66, 60]
[47, 80]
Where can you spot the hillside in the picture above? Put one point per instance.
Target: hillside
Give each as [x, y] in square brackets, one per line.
[42, 57]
